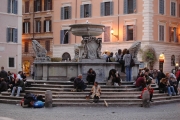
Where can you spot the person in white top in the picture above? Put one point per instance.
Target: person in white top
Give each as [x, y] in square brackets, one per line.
[95, 92]
[19, 75]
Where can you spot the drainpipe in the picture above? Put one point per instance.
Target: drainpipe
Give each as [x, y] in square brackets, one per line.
[76, 17]
[33, 18]
[118, 19]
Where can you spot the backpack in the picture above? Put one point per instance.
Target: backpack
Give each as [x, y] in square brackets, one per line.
[38, 104]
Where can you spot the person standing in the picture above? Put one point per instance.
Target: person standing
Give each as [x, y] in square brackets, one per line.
[127, 61]
[118, 55]
[178, 76]
[3, 73]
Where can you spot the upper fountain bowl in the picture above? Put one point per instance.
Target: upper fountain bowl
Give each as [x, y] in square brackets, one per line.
[86, 29]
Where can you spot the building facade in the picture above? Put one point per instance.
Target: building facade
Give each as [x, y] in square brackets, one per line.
[153, 22]
[10, 32]
[36, 25]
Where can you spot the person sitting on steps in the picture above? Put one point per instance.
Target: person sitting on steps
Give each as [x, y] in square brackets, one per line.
[79, 84]
[141, 82]
[91, 76]
[19, 86]
[114, 77]
[95, 92]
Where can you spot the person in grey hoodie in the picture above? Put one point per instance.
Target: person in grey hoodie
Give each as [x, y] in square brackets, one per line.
[128, 69]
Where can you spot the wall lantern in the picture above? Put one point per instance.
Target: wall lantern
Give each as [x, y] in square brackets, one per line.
[112, 33]
[177, 64]
[161, 57]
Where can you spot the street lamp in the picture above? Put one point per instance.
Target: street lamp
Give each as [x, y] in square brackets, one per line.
[161, 61]
[112, 33]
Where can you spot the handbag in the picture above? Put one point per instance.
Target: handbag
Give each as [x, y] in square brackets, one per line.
[132, 63]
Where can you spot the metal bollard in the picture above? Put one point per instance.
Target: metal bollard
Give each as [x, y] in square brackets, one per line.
[48, 99]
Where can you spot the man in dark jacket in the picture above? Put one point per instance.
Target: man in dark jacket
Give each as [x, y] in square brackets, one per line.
[79, 84]
[3, 73]
[160, 76]
[91, 76]
[19, 86]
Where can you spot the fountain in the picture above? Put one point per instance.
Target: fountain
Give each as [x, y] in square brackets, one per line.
[87, 55]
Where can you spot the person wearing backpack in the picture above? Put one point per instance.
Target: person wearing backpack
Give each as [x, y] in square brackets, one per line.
[178, 76]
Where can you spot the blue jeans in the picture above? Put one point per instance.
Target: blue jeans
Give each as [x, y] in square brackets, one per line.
[18, 90]
[128, 73]
[171, 90]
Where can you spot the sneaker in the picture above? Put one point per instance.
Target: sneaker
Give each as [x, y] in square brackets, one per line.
[11, 95]
[17, 95]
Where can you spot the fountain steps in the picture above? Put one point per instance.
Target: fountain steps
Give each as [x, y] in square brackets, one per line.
[126, 95]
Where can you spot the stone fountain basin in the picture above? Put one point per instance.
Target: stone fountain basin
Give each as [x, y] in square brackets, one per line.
[87, 29]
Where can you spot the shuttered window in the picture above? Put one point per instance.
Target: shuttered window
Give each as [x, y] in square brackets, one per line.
[47, 45]
[47, 26]
[47, 5]
[26, 6]
[161, 7]
[37, 5]
[66, 12]
[26, 27]
[173, 9]
[64, 37]
[85, 10]
[38, 26]
[26, 47]
[130, 6]
[12, 6]
[129, 32]
[107, 8]
[11, 62]
[12, 35]
[161, 32]
[107, 34]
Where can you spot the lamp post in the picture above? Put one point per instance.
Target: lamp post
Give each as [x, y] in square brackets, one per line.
[161, 61]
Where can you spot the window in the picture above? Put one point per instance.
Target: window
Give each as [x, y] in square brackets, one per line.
[161, 7]
[66, 12]
[26, 47]
[107, 8]
[173, 60]
[173, 34]
[26, 27]
[47, 26]
[161, 33]
[85, 10]
[11, 62]
[38, 26]
[65, 37]
[173, 9]
[129, 32]
[107, 34]
[47, 45]
[12, 35]
[37, 5]
[47, 5]
[129, 6]
[26, 6]
[13, 6]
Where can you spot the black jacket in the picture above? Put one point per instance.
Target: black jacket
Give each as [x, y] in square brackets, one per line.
[3, 74]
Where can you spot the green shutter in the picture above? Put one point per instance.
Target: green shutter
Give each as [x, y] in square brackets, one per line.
[9, 6]
[44, 25]
[102, 7]
[125, 7]
[90, 10]
[15, 7]
[69, 12]
[161, 7]
[62, 13]
[50, 25]
[177, 39]
[15, 35]
[29, 27]
[45, 5]
[8, 34]
[111, 8]
[134, 6]
[35, 6]
[62, 36]
[82, 11]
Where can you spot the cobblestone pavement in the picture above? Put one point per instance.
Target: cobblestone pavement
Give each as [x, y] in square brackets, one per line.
[159, 112]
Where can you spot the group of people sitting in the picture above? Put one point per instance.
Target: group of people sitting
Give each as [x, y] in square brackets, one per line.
[12, 82]
[167, 83]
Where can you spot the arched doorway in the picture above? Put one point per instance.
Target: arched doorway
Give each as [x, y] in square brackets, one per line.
[26, 67]
[66, 56]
